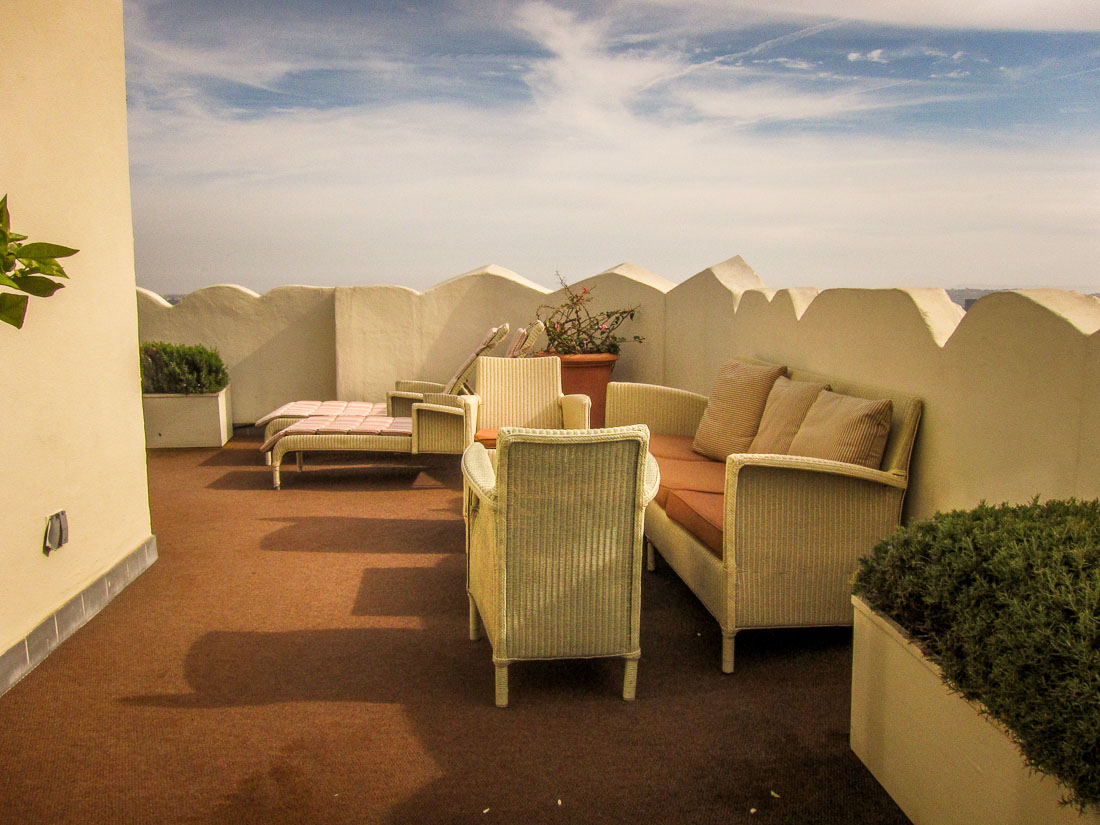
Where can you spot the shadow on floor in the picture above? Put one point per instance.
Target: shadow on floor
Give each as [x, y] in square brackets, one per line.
[345, 534]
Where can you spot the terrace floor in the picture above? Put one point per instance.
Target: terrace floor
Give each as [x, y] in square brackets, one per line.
[301, 656]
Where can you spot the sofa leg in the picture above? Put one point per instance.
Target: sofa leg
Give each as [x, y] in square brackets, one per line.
[630, 679]
[502, 684]
[475, 621]
[650, 555]
[727, 651]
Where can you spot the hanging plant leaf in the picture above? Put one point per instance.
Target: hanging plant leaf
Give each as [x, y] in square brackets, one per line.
[13, 309]
[37, 285]
[43, 251]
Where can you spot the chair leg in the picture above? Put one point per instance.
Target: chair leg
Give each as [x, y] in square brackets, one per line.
[476, 626]
[727, 651]
[301, 460]
[276, 460]
[267, 458]
[650, 555]
[502, 684]
[630, 679]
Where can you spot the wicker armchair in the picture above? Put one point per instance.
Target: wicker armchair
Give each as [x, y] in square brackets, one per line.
[792, 527]
[554, 539]
[525, 392]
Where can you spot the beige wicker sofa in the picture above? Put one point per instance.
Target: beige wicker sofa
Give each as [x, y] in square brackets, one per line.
[762, 537]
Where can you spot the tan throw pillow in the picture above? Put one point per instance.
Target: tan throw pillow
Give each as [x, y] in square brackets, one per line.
[844, 428]
[788, 403]
[733, 412]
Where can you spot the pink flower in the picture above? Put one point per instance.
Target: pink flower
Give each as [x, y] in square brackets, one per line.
[584, 290]
[603, 326]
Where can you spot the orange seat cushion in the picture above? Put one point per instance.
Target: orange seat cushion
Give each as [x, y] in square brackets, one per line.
[701, 514]
[488, 437]
[685, 474]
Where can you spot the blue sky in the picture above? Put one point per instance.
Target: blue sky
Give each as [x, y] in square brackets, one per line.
[829, 143]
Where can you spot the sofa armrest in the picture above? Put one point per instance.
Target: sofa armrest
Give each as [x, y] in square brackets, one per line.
[576, 412]
[794, 519]
[666, 410]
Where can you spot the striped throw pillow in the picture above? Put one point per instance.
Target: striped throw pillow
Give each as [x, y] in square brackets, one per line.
[844, 428]
[733, 412]
[788, 403]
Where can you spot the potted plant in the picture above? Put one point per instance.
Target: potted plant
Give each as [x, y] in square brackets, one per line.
[185, 396]
[29, 268]
[586, 343]
[976, 665]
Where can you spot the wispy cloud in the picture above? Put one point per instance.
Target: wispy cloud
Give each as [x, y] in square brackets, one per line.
[351, 147]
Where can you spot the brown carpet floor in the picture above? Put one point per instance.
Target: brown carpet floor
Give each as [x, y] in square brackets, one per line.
[301, 656]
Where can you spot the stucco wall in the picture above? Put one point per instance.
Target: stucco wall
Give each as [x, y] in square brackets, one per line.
[276, 347]
[1011, 389]
[71, 395]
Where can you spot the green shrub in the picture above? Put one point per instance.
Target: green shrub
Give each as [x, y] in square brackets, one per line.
[1007, 601]
[177, 368]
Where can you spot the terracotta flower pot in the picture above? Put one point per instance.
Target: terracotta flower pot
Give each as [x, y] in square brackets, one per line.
[587, 374]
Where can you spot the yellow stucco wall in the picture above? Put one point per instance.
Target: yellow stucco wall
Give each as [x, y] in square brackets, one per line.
[1012, 388]
[70, 388]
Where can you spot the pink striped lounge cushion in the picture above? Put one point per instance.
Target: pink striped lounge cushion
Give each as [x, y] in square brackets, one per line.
[349, 424]
[304, 409]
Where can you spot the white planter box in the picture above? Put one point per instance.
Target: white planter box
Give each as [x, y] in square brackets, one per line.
[203, 420]
[941, 761]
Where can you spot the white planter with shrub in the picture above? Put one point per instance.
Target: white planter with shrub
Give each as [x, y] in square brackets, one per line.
[185, 396]
[976, 666]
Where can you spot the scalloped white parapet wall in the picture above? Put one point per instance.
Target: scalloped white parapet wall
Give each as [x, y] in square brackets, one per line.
[1012, 388]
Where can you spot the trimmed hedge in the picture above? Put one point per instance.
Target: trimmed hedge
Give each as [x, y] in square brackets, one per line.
[1007, 601]
[178, 368]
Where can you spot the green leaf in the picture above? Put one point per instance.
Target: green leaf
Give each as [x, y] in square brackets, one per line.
[42, 251]
[5, 218]
[13, 309]
[38, 286]
[6, 281]
[46, 266]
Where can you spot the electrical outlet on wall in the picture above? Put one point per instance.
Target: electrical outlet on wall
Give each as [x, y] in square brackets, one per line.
[57, 532]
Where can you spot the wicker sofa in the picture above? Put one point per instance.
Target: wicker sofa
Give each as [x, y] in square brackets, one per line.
[764, 538]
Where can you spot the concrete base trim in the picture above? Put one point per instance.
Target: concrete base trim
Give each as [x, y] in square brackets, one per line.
[22, 658]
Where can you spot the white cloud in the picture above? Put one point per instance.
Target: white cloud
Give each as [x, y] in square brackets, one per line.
[591, 169]
[875, 56]
[1021, 15]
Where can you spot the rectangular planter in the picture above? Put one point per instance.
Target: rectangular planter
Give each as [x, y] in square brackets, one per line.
[201, 420]
[933, 752]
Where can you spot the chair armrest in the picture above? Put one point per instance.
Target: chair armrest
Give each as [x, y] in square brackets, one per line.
[419, 386]
[445, 427]
[576, 412]
[480, 473]
[399, 403]
[666, 410]
[652, 479]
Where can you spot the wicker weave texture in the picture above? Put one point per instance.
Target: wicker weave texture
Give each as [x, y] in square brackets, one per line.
[519, 392]
[794, 526]
[555, 543]
[664, 410]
